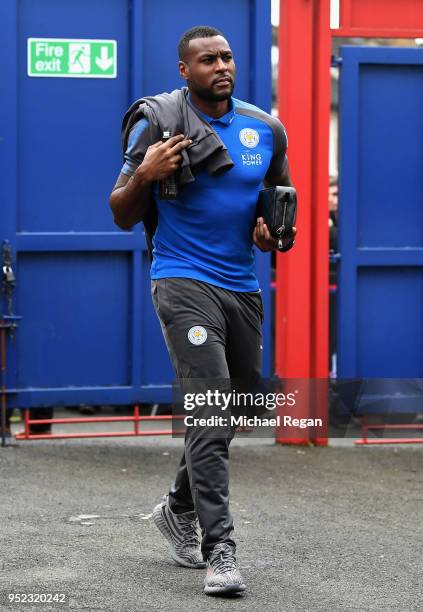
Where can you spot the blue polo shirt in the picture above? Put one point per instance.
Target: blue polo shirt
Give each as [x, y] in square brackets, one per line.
[206, 233]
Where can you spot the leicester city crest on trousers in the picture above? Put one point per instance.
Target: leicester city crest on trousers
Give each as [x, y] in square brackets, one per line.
[197, 335]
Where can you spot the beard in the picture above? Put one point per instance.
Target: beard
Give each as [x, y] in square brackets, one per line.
[208, 93]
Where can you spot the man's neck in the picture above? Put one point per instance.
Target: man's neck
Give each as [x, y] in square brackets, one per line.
[210, 107]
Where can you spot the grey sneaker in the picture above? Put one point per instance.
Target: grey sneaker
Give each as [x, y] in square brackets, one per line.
[183, 533]
[223, 576]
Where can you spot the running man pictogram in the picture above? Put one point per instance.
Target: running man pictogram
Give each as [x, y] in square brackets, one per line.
[79, 58]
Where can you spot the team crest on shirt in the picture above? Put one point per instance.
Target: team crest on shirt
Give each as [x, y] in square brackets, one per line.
[197, 335]
[249, 137]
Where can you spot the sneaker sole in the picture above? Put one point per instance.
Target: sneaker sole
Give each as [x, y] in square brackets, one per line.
[164, 530]
[228, 589]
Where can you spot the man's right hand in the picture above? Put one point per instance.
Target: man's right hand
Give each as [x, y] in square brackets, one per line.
[131, 196]
[162, 158]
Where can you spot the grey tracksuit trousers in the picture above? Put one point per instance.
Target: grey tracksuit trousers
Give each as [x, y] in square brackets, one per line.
[232, 350]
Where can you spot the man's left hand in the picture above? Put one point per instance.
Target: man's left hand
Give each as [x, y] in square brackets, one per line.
[264, 241]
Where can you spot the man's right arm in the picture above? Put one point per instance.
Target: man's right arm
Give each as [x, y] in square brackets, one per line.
[130, 199]
[131, 196]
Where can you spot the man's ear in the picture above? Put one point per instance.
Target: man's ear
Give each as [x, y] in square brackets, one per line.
[183, 70]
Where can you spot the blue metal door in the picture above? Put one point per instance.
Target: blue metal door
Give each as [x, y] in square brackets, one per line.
[88, 331]
[380, 313]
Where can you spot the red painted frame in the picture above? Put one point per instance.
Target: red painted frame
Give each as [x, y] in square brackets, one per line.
[302, 288]
[381, 19]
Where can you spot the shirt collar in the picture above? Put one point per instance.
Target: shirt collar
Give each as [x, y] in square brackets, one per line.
[225, 119]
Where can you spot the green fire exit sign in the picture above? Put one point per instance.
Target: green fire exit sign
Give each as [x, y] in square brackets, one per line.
[72, 57]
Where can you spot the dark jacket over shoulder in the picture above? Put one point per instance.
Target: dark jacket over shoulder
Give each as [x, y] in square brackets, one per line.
[172, 112]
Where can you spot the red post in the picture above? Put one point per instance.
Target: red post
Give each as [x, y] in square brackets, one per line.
[136, 420]
[27, 418]
[302, 296]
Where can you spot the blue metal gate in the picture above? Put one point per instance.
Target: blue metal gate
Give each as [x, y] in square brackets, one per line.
[380, 312]
[88, 331]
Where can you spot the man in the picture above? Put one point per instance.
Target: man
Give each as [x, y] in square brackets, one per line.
[204, 286]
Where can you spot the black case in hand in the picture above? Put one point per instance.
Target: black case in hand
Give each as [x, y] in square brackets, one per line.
[278, 207]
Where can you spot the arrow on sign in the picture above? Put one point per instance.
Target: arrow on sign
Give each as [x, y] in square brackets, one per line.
[104, 62]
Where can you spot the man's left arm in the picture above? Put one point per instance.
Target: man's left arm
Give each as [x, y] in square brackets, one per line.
[282, 178]
[277, 174]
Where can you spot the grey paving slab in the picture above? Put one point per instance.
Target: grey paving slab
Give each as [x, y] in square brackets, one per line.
[336, 528]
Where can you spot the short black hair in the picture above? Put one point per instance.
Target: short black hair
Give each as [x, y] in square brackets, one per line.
[195, 32]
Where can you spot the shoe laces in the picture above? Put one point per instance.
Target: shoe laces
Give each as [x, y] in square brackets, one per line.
[223, 559]
[189, 527]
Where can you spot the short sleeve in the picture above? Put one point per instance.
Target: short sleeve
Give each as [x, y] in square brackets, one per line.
[280, 145]
[137, 141]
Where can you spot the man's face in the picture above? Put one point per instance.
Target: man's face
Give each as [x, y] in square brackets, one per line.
[209, 68]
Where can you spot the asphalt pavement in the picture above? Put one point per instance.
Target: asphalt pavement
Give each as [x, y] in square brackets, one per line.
[337, 528]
